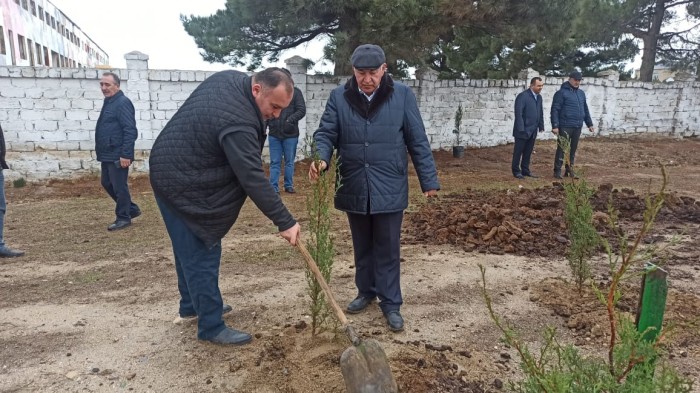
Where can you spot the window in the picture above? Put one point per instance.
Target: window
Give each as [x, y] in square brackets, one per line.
[55, 60]
[22, 47]
[3, 50]
[38, 53]
[41, 13]
[17, 1]
[53, 22]
[12, 46]
[46, 56]
[32, 5]
[25, 5]
[48, 18]
[30, 49]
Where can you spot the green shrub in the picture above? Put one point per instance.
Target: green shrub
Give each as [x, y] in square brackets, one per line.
[320, 241]
[18, 183]
[634, 364]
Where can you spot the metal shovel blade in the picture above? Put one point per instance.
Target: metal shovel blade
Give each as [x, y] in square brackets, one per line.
[366, 369]
[364, 365]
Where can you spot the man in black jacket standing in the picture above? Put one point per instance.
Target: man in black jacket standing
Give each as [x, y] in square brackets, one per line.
[283, 140]
[5, 252]
[203, 165]
[569, 113]
[115, 135]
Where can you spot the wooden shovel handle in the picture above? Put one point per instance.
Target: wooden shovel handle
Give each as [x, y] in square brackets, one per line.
[319, 278]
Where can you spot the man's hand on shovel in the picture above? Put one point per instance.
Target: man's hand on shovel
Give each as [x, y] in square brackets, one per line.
[292, 234]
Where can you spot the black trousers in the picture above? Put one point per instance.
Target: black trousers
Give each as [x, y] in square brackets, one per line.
[114, 180]
[522, 151]
[574, 134]
[376, 239]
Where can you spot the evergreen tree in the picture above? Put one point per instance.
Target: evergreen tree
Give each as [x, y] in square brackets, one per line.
[247, 31]
[653, 22]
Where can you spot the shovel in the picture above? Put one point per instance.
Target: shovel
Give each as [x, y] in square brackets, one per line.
[364, 364]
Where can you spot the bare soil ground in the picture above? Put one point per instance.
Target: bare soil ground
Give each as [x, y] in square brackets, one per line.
[88, 310]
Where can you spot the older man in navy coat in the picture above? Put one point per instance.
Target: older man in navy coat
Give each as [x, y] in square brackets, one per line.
[374, 124]
[529, 119]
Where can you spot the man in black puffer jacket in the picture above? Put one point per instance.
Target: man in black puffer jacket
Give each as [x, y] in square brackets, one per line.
[203, 165]
[569, 112]
[374, 123]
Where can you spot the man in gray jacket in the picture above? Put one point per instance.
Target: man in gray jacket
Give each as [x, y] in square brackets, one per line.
[569, 112]
[374, 123]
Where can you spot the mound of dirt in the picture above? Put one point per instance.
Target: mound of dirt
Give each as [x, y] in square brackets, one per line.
[527, 222]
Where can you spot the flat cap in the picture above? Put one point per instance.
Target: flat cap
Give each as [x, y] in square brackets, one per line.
[576, 75]
[368, 56]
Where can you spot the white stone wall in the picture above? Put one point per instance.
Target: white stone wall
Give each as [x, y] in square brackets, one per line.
[48, 114]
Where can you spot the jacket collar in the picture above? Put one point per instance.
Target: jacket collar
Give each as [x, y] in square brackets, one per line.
[114, 97]
[358, 102]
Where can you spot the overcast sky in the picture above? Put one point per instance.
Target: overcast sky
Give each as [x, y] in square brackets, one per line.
[154, 28]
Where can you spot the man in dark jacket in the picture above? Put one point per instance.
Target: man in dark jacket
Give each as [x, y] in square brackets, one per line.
[529, 120]
[283, 140]
[569, 112]
[373, 121]
[5, 252]
[203, 165]
[115, 135]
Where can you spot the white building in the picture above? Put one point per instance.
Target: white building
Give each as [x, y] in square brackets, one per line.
[36, 33]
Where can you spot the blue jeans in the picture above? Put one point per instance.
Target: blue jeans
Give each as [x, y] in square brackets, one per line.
[3, 207]
[114, 180]
[197, 270]
[286, 147]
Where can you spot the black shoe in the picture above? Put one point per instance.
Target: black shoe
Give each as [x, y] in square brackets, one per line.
[394, 320]
[189, 318]
[518, 176]
[359, 304]
[230, 336]
[532, 175]
[119, 224]
[290, 190]
[10, 253]
[135, 214]
[557, 175]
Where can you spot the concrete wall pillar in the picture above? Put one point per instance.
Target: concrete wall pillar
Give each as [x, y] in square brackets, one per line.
[606, 119]
[297, 66]
[138, 89]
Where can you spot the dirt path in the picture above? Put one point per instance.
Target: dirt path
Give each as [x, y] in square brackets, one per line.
[88, 310]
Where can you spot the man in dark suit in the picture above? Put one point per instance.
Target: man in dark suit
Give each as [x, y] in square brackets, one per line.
[529, 119]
